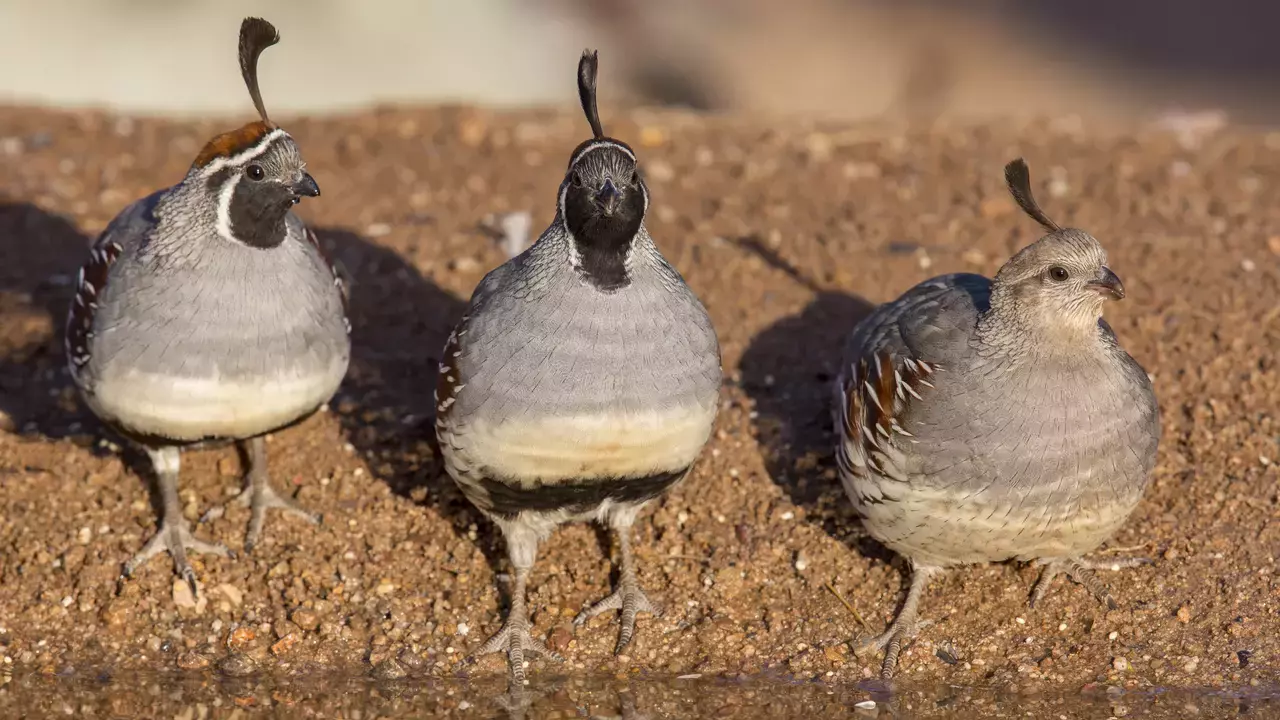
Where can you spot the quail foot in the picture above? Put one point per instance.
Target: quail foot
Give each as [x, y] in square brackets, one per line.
[582, 381]
[991, 420]
[208, 311]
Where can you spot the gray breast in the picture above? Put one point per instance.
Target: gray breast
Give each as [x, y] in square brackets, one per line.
[557, 380]
[1017, 460]
[198, 336]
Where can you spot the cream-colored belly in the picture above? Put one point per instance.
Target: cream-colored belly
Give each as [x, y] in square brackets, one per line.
[938, 528]
[197, 408]
[547, 449]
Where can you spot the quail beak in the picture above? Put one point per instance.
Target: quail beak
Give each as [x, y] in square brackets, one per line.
[1108, 285]
[608, 197]
[306, 187]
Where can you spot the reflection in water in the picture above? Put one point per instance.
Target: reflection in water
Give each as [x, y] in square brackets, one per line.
[201, 697]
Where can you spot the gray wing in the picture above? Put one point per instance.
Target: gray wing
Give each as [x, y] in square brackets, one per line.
[893, 355]
[125, 233]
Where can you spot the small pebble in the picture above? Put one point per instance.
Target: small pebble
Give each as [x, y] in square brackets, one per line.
[237, 665]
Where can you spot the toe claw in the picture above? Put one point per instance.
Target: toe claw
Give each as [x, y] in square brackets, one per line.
[630, 600]
[176, 539]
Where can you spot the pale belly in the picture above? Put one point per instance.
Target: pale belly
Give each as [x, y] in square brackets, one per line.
[934, 527]
[545, 450]
[189, 409]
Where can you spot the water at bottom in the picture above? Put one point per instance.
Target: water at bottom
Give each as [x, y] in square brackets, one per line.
[187, 697]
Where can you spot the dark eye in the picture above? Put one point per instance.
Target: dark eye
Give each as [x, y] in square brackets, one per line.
[576, 179]
[635, 178]
[1058, 273]
[255, 172]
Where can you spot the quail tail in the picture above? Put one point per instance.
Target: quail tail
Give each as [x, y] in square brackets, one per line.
[174, 534]
[259, 496]
[905, 625]
[1082, 572]
[629, 597]
[514, 638]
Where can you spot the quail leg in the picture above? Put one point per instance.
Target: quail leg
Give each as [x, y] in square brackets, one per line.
[174, 534]
[1081, 571]
[514, 638]
[905, 625]
[628, 598]
[259, 496]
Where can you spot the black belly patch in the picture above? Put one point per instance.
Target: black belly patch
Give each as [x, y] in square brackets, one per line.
[577, 497]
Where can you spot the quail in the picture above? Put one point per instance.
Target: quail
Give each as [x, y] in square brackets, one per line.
[208, 311]
[582, 381]
[990, 420]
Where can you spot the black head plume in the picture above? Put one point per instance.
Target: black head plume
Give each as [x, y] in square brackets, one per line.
[256, 35]
[587, 68]
[1018, 176]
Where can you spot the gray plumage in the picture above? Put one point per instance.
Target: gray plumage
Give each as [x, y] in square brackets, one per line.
[582, 381]
[984, 421]
[208, 311]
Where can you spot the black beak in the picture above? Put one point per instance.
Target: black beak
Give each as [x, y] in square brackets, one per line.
[306, 187]
[608, 197]
[1107, 284]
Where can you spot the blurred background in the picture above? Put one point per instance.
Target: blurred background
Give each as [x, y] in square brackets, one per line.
[849, 59]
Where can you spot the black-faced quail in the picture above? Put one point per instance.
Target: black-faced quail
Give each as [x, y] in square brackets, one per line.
[583, 380]
[208, 311]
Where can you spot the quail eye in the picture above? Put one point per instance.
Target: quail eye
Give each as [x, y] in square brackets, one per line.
[635, 178]
[255, 172]
[1058, 273]
[576, 179]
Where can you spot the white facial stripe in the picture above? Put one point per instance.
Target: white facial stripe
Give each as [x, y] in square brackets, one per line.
[224, 206]
[245, 156]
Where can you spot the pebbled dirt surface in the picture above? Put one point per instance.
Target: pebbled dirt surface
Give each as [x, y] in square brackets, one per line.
[787, 232]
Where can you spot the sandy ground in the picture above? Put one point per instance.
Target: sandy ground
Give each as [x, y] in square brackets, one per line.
[787, 232]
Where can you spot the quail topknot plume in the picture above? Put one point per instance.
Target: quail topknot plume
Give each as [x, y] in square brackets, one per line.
[583, 380]
[990, 420]
[208, 311]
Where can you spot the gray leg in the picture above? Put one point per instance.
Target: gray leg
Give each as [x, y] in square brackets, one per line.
[628, 598]
[174, 534]
[514, 638]
[1082, 572]
[259, 496]
[905, 625]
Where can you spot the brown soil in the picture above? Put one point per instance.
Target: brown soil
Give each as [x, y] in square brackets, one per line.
[751, 554]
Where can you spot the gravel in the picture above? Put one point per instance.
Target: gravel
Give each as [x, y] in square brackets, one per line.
[788, 231]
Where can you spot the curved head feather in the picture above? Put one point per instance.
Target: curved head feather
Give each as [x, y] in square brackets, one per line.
[1018, 177]
[588, 66]
[256, 35]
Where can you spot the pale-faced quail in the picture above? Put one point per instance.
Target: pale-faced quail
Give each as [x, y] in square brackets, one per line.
[990, 420]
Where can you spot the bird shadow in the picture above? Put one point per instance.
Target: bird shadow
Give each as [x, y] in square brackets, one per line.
[42, 253]
[788, 370]
[400, 321]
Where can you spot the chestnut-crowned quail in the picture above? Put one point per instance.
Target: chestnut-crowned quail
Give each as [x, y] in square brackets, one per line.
[208, 311]
[990, 420]
[582, 381]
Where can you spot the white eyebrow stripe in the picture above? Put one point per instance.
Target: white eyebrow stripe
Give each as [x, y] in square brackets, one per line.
[602, 144]
[246, 155]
